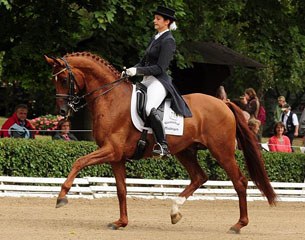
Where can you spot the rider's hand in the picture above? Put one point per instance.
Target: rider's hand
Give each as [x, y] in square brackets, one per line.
[131, 71]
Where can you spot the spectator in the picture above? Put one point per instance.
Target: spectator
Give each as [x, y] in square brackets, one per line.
[63, 133]
[279, 142]
[278, 109]
[242, 102]
[303, 147]
[221, 94]
[17, 126]
[291, 123]
[302, 122]
[254, 125]
[252, 105]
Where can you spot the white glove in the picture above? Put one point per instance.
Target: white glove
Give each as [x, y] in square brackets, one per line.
[123, 73]
[131, 71]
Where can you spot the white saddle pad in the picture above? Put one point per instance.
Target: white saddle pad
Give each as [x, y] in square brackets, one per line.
[172, 122]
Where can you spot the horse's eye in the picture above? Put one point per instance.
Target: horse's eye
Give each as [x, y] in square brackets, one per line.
[64, 82]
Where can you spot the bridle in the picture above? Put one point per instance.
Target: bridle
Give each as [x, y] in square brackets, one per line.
[73, 99]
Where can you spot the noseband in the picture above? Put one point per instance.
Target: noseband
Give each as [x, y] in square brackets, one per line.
[72, 98]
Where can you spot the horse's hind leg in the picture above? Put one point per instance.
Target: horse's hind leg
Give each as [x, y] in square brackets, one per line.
[226, 158]
[188, 159]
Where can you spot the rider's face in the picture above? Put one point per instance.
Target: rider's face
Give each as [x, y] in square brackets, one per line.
[160, 23]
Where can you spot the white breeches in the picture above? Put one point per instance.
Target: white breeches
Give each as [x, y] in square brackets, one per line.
[156, 93]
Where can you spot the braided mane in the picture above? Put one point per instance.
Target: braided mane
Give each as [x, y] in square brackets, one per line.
[96, 58]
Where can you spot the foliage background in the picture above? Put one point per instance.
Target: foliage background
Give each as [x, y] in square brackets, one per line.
[271, 32]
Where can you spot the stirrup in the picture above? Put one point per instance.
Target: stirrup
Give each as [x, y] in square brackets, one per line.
[160, 150]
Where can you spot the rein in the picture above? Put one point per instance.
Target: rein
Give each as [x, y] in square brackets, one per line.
[77, 99]
[73, 98]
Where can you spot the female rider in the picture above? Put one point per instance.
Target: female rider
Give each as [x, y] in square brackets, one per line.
[153, 67]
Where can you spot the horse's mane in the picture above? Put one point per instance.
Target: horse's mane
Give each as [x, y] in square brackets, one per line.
[97, 59]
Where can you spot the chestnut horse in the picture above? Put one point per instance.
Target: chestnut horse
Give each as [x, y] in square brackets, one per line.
[214, 125]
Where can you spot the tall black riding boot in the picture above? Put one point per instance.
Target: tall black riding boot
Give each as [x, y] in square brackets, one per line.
[157, 127]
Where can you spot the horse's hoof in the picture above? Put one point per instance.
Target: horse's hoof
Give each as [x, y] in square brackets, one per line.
[234, 230]
[113, 226]
[176, 217]
[61, 202]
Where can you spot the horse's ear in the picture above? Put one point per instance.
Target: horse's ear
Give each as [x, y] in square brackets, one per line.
[52, 61]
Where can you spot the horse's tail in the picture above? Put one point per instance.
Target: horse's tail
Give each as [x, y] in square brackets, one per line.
[252, 155]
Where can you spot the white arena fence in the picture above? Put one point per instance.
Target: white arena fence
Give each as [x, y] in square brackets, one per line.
[99, 187]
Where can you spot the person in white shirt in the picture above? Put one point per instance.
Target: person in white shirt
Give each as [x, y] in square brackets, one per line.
[291, 123]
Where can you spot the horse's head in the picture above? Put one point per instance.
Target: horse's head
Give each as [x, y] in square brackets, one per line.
[85, 72]
[68, 82]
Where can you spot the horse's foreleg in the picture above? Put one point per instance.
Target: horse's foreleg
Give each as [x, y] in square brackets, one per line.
[119, 170]
[97, 157]
[188, 159]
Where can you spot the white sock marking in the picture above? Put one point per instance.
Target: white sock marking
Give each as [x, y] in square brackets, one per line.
[178, 201]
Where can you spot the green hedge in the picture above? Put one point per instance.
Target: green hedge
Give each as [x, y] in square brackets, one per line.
[47, 158]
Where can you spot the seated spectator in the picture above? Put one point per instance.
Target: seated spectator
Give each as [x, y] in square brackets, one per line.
[63, 131]
[17, 126]
[254, 125]
[279, 142]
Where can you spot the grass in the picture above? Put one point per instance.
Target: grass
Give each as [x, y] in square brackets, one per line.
[2, 120]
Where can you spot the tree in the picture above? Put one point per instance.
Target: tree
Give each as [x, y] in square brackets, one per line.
[271, 32]
[35, 28]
